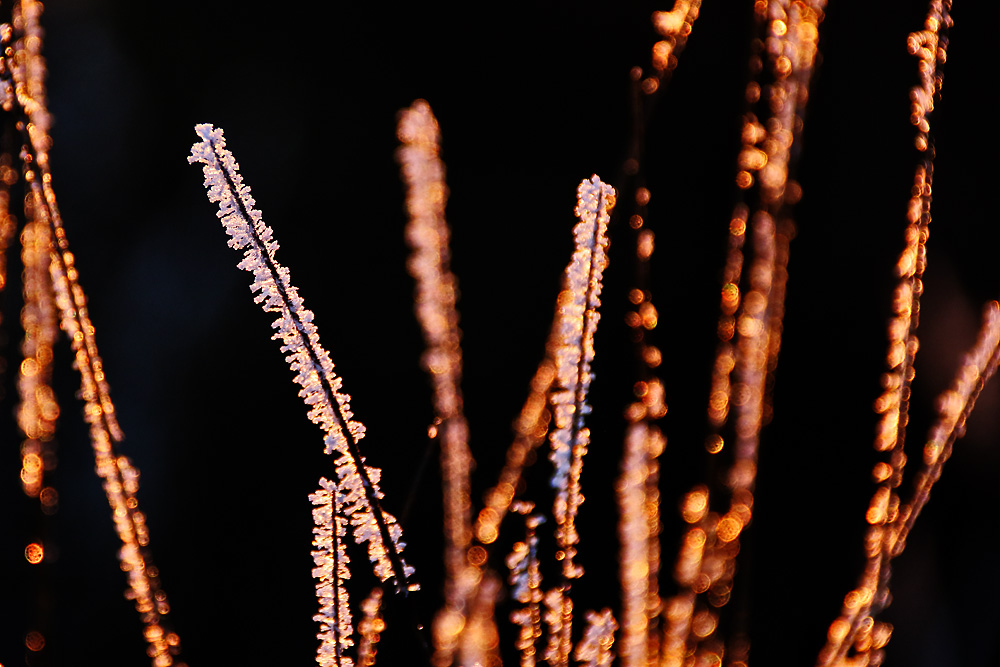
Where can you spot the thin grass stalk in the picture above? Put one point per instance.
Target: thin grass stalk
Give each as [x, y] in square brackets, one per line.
[38, 408]
[26, 69]
[872, 593]
[638, 536]
[749, 333]
[530, 429]
[578, 317]
[525, 579]
[332, 571]
[436, 292]
[329, 407]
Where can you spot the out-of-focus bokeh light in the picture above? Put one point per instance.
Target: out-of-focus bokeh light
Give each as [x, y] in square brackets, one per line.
[34, 553]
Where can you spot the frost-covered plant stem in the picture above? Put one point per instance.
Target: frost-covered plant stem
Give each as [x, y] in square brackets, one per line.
[329, 408]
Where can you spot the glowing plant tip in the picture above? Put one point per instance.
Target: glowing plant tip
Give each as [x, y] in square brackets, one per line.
[328, 407]
[331, 571]
[577, 319]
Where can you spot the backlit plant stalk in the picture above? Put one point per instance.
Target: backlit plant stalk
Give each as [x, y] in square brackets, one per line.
[357, 488]
[436, 293]
[22, 93]
[856, 626]
[577, 322]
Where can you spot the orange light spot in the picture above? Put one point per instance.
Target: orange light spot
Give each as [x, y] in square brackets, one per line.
[34, 553]
[729, 528]
[694, 507]
[34, 640]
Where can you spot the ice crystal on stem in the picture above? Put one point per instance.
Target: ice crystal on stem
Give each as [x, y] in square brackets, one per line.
[526, 579]
[332, 571]
[577, 323]
[328, 406]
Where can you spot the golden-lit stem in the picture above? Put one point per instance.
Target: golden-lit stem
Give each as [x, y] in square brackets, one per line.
[638, 535]
[954, 408]
[526, 579]
[674, 27]
[370, 628]
[530, 428]
[725, 356]
[120, 478]
[558, 618]
[749, 329]
[329, 407]
[577, 316]
[856, 627]
[38, 410]
[436, 293]
[8, 222]
[594, 649]
[479, 642]
[331, 571]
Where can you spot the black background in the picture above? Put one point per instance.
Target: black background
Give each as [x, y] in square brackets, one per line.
[531, 98]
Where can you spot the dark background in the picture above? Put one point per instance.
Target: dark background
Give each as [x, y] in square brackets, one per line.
[531, 98]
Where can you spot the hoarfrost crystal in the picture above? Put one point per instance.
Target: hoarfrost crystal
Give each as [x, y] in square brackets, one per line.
[356, 494]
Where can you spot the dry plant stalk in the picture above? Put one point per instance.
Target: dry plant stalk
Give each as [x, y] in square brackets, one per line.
[857, 626]
[577, 318]
[525, 579]
[749, 333]
[59, 294]
[356, 492]
[749, 329]
[436, 293]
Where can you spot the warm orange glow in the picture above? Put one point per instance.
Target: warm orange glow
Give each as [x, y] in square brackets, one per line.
[35, 641]
[34, 553]
[695, 506]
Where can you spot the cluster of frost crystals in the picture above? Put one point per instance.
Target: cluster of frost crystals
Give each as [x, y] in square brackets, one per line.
[320, 386]
[594, 650]
[366, 529]
[577, 321]
[274, 291]
[330, 558]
